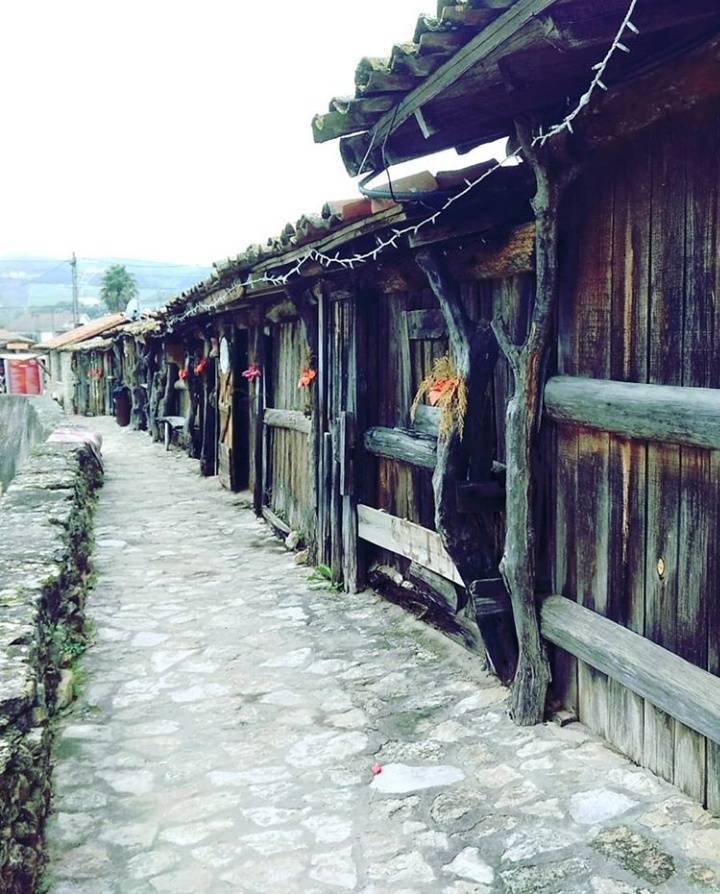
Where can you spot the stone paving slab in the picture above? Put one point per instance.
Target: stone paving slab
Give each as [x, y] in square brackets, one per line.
[232, 711]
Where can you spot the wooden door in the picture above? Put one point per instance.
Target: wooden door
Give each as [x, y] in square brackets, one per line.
[233, 411]
[226, 401]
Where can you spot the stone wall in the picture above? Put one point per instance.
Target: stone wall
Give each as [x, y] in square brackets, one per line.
[24, 422]
[45, 532]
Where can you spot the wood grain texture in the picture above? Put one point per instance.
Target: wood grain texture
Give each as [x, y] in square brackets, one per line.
[666, 308]
[292, 420]
[403, 445]
[667, 414]
[673, 685]
[698, 568]
[407, 539]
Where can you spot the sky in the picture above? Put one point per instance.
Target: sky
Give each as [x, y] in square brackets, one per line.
[175, 130]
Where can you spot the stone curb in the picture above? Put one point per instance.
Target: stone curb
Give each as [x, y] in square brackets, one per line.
[46, 537]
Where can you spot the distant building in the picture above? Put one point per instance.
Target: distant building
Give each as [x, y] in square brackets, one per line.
[13, 341]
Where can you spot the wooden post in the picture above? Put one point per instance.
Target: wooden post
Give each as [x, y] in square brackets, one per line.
[522, 415]
[323, 437]
[267, 389]
[166, 404]
[208, 452]
[308, 313]
[465, 537]
[325, 532]
[336, 504]
[259, 403]
[195, 391]
[353, 570]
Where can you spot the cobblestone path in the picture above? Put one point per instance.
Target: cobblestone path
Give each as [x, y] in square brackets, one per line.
[231, 712]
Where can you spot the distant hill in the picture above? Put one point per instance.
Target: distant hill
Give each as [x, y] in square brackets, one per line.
[34, 286]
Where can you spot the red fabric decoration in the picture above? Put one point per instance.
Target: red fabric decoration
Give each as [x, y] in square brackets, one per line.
[307, 377]
[201, 366]
[439, 388]
[184, 374]
[252, 373]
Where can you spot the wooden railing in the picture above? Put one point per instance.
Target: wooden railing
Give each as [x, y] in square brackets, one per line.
[684, 691]
[666, 413]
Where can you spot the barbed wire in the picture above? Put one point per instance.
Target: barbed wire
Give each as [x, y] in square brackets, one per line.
[349, 263]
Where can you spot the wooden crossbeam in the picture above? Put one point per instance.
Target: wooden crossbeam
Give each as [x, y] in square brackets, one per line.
[403, 445]
[684, 691]
[406, 539]
[293, 420]
[666, 413]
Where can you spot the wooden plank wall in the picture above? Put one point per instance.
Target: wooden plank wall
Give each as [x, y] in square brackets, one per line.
[289, 471]
[399, 364]
[636, 524]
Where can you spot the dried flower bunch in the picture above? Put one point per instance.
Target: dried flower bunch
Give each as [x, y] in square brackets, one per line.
[445, 389]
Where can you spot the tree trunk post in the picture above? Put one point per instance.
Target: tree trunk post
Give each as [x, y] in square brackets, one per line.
[465, 537]
[527, 361]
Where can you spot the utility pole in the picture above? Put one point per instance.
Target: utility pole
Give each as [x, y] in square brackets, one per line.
[75, 301]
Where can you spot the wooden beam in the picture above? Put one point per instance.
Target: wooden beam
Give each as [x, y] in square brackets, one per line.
[332, 125]
[293, 420]
[275, 522]
[666, 413]
[684, 691]
[402, 445]
[406, 539]
[416, 597]
[476, 50]
[496, 258]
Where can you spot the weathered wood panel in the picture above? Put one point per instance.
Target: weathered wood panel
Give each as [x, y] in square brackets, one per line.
[662, 678]
[695, 768]
[402, 445]
[407, 539]
[667, 235]
[292, 420]
[289, 486]
[643, 227]
[662, 413]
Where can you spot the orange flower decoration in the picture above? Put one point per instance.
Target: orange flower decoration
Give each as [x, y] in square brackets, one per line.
[439, 388]
[307, 377]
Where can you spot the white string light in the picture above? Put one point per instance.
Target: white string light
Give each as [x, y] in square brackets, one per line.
[314, 254]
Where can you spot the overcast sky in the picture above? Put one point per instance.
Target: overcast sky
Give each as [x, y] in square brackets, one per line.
[175, 130]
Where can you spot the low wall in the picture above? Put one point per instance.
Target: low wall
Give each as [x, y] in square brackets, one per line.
[45, 532]
[24, 422]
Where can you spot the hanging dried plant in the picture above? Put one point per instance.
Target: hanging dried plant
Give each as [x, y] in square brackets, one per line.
[445, 389]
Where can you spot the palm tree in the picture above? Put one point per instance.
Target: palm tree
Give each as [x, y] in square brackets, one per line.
[118, 287]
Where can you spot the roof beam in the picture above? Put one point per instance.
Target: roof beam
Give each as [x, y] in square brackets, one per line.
[475, 51]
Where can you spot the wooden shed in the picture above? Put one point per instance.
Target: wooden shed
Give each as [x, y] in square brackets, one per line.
[557, 507]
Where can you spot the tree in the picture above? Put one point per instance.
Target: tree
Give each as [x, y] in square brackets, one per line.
[118, 287]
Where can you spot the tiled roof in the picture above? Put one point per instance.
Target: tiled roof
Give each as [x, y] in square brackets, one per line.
[381, 82]
[342, 223]
[89, 330]
[478, 64]
[6, 337]
[308, 230]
